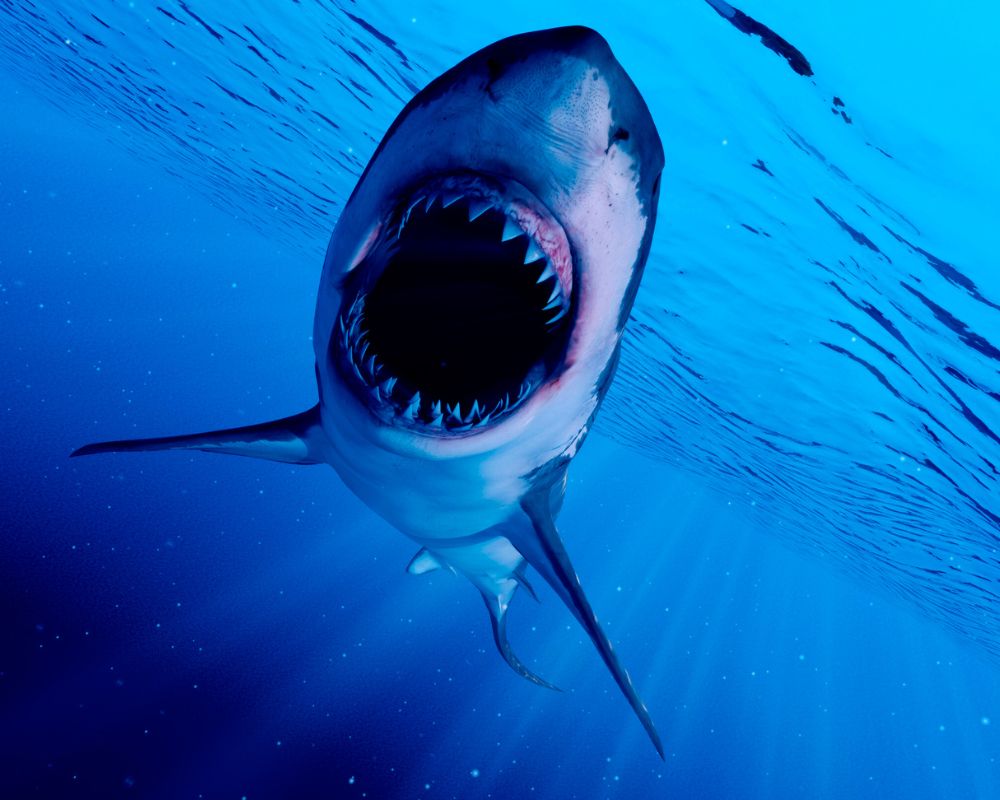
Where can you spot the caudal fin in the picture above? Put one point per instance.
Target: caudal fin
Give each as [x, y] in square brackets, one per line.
[293, 440]
[497, 591]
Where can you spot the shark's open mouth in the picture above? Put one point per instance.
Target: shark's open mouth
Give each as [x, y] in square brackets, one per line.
[459, 308]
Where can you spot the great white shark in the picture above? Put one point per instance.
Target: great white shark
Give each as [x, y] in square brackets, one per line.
[470, 313]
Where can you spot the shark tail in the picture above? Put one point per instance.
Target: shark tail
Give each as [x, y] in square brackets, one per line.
[497, 598]
[544, 550]
[294, 440]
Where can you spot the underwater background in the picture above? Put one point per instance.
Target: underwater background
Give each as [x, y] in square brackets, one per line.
[787, 518]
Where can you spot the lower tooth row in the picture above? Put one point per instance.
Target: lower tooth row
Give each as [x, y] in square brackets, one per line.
[368, 370]
[445, 415]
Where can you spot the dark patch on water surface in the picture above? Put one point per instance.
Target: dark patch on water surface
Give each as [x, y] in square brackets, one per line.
[946, 270]
[756, 231]
[200, 21]
[949, 320]
[840, 109]
[963, 378]
[879, 375]
[171, 16]
[855, 234]
[768, 38]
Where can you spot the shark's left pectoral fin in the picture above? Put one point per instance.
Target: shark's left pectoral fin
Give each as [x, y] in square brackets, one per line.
[424, 562]
[294, 440]
[540, 544]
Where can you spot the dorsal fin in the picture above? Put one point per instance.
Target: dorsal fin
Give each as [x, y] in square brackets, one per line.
[540, 544]
[294, 440]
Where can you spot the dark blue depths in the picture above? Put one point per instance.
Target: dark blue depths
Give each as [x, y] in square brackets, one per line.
[184, 626]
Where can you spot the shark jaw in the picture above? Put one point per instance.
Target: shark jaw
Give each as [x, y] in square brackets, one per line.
[459, 307]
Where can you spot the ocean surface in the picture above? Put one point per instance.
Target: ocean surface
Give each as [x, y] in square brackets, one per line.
[788, 518]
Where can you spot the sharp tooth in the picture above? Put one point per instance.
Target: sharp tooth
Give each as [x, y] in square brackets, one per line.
[454, 412]
[473, 412]
[436, 420]
[413, 407]
[547, 273]
[364, 350]
[477, 208]
[406, 217]
[450, 199]
[533, 253]
[358, 372]
[371, 366]
[511, 230]
[555, 298]
[387, 386]
[431, 200]
[484, 419]
[559, 316]
[436, 408]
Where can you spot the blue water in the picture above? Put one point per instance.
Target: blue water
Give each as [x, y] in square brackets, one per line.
[787, 518]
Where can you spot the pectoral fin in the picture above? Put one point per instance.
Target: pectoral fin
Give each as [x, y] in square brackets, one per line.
[541, 546]
[424, 562]
[293, 440]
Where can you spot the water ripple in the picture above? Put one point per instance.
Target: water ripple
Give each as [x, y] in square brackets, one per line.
[799, 343]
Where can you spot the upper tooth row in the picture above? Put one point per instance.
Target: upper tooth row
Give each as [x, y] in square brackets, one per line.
[511, 230]
[475, 209]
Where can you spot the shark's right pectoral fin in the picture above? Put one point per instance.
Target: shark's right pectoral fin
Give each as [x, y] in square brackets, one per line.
[294, 440]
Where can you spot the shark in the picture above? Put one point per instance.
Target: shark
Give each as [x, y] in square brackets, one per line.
[470, 313]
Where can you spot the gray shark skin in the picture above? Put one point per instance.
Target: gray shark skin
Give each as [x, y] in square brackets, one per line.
[470, 314]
